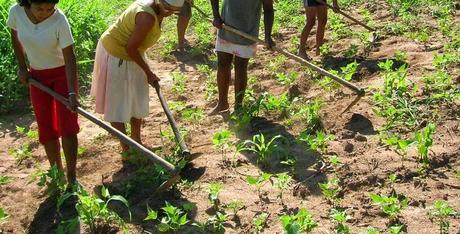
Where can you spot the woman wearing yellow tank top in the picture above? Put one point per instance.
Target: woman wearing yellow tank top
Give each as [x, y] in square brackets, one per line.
[121, 74]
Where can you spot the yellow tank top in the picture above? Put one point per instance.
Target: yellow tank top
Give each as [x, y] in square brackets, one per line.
[116, 37]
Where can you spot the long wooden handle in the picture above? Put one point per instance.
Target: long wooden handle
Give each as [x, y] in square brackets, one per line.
[125, 139]
[347, 15]
[172, 122]
[356, 89]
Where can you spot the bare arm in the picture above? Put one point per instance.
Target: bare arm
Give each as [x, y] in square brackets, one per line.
[71, 74]
[217, 22]
[269, 16]
[20, 56]
[144, 23]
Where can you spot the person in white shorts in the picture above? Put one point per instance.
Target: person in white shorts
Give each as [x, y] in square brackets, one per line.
[121, 74]
[244, 16]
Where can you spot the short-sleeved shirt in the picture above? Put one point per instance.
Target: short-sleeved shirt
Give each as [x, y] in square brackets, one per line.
[42, 42]
[243, 15]
[117, 36]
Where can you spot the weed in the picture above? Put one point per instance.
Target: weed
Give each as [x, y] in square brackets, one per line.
[235, 206]
[440, 214]
[179, 83]
[275, 64]
[319, 142]
[424, 139]
[214, 224]
[81, 151]
[325, 50]
[287, 78]
[300, 222]
[22, 153]
[193, 114]
[54, 179]
[391, 206]
[400, 56]
[334, 160]
[307, 112]
[260, 221]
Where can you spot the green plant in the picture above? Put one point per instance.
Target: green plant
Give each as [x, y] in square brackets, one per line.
[221, 141]
[340, 218]
[372, 230]
[457, 175]
[260, 221]
[213, 225]
[349, 70]
[400, 56]
[424, 140]
[22, 153]
[282, 183]
[179, 83]
[288, 78]
[260, 146]
[334, 160]
[331, 190]
[351, 51]
[213, 194]
[193, 114]
[297, 223]
[94, 211]
[4, 180]
[325, 50]
[3, 216]
[396, 229]
[235, 206]
[174, 220]
[319, 142]
[391, 206]
[259, 181]
[440, 213]
[307, 112]
[54, 179]
[277, 102]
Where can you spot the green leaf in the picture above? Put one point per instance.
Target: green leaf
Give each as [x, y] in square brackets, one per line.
[251, 180]
[376, 198]
[151, 214]
[163, 227]
[105, 192]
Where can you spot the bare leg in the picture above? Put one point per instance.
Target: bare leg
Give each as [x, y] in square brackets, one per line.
[241, 80]
[53, 153]
[310, 14]
[136, 129]
[224, 66]
[70, 148]
[122, 128]
[182, 24]
[322, 20]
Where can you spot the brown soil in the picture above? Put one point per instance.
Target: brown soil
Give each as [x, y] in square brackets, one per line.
[366, 162]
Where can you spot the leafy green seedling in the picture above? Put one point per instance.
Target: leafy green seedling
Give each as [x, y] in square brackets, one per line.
[179, 82]
[372, 230]
[193, 114]
[298, 223]
[331, 190]
[221, 141]
[440, 214]
[282, 183]
[235, 206]
[260, 221]
[260, 146]
[151, 214]
[258, 182]
[334, 160]
[214, 224]
[340, 218]
[396, 229]
[174, 220]
[3, 216]
[424, 140]
[213, 194]
[22, 153]
[4, 180]
[391, 206]
[54, 179]
[457, 175]
[319, 142]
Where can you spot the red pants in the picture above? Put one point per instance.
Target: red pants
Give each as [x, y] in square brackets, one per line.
[53, 118]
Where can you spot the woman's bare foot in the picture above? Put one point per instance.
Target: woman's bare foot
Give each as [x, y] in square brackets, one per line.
[303, 55]
[219, 109]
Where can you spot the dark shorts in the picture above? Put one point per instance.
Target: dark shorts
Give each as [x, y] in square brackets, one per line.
[312, 3]
[186, 10]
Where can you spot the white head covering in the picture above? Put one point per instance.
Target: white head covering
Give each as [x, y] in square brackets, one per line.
[175, 3]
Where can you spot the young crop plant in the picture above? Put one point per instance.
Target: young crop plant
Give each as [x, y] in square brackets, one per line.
[213, 194]
[349, 70]
[193, 114]
[331, 190]
[338, 27]
[440, 214]
[302, 222]
[174, 220]
[235, 206]
[214, 224]
[335, 162]
[351, 51]
[396, 229]
[179, 83]
[94, 211]
[372, 230]
[263, 148]
[53, 179]
[275, 64]
[307, 112]
[221, 141]
[259, 181]
[260, 221]
[339, 218]
[287, 78]
[319, 142]
[278, 103]
[282, 183]
[4, 180]
[22, 153]
[3, 216]
[424, 140]
[391, 205]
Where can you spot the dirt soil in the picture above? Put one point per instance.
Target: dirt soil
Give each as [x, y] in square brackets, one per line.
[366, 162]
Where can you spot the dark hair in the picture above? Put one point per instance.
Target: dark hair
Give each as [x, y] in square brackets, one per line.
[27, 3]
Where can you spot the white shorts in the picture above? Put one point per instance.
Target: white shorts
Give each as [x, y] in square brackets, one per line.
[120, 88]
[242, 51]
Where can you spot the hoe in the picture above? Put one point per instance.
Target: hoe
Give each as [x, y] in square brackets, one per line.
[173, 170]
